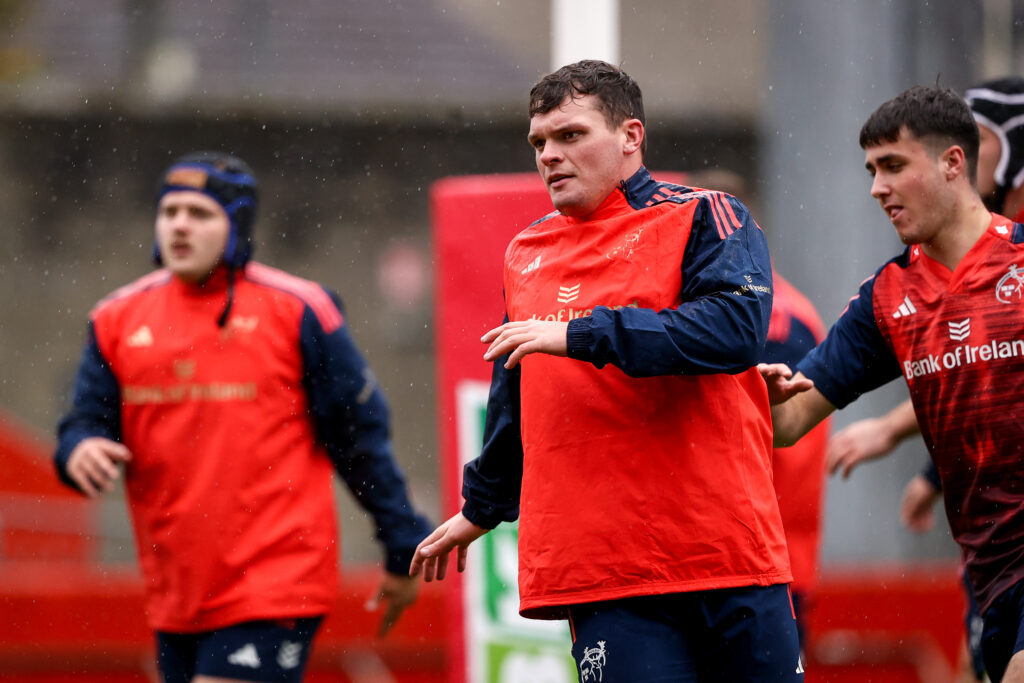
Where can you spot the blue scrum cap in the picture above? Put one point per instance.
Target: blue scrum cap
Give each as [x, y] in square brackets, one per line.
[230, 182]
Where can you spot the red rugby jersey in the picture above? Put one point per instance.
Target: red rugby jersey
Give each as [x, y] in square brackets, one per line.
[958, 340]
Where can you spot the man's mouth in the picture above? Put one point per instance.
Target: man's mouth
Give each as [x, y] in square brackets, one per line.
[556, 179]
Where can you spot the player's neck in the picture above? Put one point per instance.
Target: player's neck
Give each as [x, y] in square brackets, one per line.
[965, 227]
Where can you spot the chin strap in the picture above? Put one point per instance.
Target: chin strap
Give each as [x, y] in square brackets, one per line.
[223, 319]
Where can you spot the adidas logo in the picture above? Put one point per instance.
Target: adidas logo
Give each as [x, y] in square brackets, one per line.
[140, 337]
[906, 308]
[534, 265]
[567, 294]
[961, 330]
[245, 656]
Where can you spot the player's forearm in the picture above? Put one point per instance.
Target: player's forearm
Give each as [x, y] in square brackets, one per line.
[900, 423]
[795, 417]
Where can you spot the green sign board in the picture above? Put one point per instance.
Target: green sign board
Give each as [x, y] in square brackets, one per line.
[501, 646]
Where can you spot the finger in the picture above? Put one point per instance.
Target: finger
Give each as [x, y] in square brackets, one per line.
[104, 468]
[391, 615]
[516, 356]
[84, 483]
[847, 469]
[442, 566]
[118, 451]
[463, 552]
[491, 335]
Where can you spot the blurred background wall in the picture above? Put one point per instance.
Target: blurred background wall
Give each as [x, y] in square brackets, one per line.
[348, 111]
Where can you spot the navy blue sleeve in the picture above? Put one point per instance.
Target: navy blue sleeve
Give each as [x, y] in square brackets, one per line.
[722, 323]
[351, 419]
[491, 483]
[95, 408]
[854, 358]
[931, 473]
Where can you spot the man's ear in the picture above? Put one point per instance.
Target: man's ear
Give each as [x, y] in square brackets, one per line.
[635, 132]
[954, 162]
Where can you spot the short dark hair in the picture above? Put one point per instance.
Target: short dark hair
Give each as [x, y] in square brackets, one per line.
[935, 115]
[618, 95]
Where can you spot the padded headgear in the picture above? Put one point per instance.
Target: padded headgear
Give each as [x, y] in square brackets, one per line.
[227, 180]
[999, 106]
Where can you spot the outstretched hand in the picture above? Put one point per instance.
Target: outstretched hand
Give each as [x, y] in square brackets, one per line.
[526, 336]
[781, 386]
[431, 558]
[396, 593]
[856, 443]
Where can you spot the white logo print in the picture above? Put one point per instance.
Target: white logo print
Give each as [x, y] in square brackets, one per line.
[1010, 289]
[288, 654]
[567, 294]
[799, 665]
[245, 656]
[534, 265]
[140, 337]
[592, 664]
[961, 330]
[906, 308]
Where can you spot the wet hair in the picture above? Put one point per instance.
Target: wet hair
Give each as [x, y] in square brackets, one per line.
[935, 115]
[618, 95]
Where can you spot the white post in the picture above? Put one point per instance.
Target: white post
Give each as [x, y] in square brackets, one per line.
[584, 29]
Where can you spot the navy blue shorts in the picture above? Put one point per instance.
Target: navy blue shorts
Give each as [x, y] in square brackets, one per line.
[974, 627]
[738, 634]
[1003, 631]
[266, 651]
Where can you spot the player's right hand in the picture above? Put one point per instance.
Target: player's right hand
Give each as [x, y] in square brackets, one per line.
[93, 464]
[781, 384]
[431, 556]
[856, 443]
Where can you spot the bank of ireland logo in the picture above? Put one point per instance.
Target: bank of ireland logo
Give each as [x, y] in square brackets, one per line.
[567, 294]
[1010, 288]
[961, 330]
[592, 663]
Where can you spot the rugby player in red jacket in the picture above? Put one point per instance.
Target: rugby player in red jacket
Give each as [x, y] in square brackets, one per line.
[229, 392]
[627, 427]
[947, 315]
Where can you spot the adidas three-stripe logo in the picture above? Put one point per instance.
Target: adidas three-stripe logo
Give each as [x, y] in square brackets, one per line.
[906, 308]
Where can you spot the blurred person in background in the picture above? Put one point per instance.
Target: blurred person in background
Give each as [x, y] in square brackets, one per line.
[947, 315]
[228, 391]
[626, 418]
[799, 471]
[998, 108]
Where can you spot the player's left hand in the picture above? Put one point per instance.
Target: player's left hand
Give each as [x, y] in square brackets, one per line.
[396, 593]
[526, 336]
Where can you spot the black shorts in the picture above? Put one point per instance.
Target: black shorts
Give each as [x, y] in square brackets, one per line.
[273, 651]
[737, 634]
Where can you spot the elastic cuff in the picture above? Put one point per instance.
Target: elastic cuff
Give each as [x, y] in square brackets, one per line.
[579, 338]
[484, 517]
